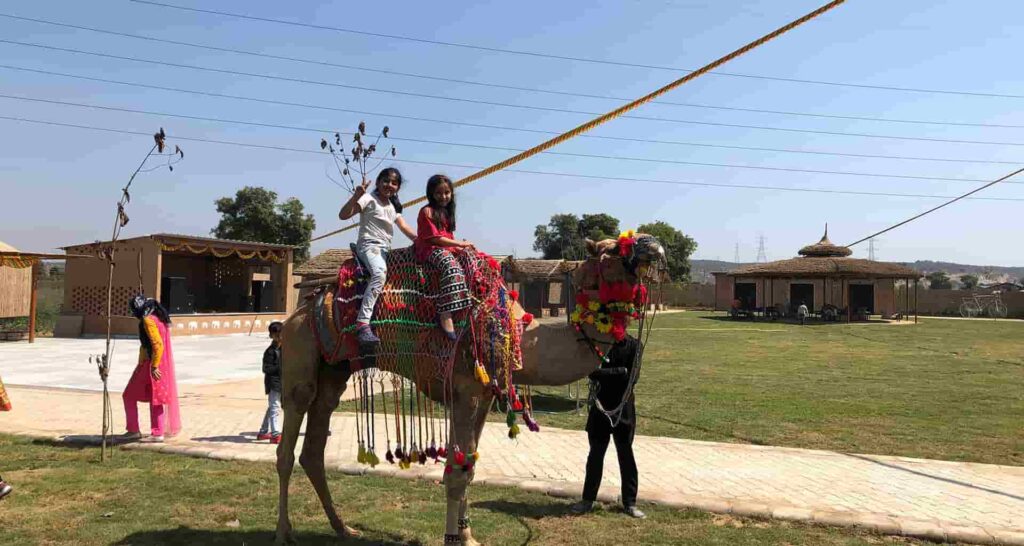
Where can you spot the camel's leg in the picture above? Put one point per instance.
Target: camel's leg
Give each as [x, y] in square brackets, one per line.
[329, 390]
[294, 412]
[300, 366]
[469, 410]
[465, 531]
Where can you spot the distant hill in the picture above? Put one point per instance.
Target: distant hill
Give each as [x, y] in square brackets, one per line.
[701, 270]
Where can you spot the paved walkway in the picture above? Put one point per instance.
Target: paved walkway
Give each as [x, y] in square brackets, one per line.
[921, 498]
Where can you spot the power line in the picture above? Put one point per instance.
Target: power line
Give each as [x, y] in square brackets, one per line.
[499, 148]
[503, 86]
[691, 122]
[933, 209]
[521, 171]
[573, 58]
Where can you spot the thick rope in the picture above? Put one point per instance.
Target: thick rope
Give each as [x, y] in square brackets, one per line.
[622, 109]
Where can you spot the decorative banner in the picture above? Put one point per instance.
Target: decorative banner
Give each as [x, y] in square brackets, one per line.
[268, 255]
[18, 262]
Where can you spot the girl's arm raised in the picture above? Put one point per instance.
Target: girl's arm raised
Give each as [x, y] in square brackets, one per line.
[351, 207]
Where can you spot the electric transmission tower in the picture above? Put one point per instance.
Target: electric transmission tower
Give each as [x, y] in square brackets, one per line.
[871, 249]
[762, 257]
[736, 259]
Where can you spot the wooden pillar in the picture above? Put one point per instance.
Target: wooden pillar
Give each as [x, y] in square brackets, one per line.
[36, 268]
[906, 297]
[915, 301]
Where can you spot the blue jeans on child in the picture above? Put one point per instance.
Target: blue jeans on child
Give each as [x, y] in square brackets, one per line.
[375, 257]
[272, 417]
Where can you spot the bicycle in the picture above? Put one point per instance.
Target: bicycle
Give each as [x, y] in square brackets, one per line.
[977, 304]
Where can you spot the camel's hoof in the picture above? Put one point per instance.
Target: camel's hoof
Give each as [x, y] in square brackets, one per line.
[348, 532]
[467, 538]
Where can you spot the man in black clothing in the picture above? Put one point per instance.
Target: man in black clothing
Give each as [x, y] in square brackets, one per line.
[612, 378]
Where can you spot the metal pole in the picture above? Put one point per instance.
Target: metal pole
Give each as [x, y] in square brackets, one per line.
[32, 303]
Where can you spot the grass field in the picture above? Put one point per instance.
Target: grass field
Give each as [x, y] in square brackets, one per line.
[943, 389]
[64, 496]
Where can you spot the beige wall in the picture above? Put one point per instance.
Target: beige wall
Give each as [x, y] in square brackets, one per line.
[947, 302]
[85, 285]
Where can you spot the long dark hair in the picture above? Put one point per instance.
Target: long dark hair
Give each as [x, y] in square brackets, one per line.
[446, 213]
[383, 175]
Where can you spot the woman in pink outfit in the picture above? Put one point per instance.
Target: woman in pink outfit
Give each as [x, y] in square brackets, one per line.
[153, 380]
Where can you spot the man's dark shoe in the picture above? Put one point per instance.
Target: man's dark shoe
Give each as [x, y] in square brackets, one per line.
[5, 489]
[634, 512]
[582, 507]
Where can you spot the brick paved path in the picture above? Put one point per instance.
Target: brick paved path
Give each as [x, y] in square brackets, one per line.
[931, 499]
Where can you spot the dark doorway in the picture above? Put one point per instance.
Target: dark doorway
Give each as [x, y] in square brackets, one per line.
[862, 296]
[746, 292]
[801, 293]
[262, 296]
[174, 295]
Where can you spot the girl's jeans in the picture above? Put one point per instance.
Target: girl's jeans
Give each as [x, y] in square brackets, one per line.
[374, 256]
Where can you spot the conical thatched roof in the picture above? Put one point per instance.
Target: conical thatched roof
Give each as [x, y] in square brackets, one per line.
[824, 248]
[4, 247]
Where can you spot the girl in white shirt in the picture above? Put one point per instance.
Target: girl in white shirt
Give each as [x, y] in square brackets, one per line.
[379, 211]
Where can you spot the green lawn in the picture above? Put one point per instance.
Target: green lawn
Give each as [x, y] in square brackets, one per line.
[64, 496]
[943, 389]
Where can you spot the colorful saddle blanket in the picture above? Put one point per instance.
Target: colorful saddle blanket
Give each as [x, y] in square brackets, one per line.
[405, 318]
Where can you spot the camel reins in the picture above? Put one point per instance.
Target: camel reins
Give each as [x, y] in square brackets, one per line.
[614, 415]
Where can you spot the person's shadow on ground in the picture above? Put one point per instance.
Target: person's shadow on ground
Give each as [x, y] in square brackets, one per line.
[531, 510]
[186, 536]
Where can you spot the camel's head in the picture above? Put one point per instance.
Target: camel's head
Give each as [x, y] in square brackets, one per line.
[612, 282]
[633, 259]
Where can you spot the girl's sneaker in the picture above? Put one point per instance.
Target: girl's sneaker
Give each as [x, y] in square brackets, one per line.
[5, 489]
[131, 436]
[365, 335]
[152, 440]
[263, 436]
[275, 439]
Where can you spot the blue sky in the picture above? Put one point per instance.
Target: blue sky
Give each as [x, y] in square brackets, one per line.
[60, 184]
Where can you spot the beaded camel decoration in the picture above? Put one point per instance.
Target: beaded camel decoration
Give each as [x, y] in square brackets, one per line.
[496, 350]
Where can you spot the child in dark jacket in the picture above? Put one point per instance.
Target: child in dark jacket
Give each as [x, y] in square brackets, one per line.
[270, 430]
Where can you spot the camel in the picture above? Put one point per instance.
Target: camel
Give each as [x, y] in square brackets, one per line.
[553, 354]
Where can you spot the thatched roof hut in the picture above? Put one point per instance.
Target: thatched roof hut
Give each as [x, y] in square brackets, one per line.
[19, 273]
[823, 275]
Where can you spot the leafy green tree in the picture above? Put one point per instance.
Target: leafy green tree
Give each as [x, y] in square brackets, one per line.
[968, 282]
[255, 215]
[678, 248]
[598, 227]
[560, 239]
[939, 280]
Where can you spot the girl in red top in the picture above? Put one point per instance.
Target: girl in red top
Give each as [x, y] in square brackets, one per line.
[435, 240]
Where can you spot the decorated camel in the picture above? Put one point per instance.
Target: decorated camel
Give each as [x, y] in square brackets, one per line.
[608, 284]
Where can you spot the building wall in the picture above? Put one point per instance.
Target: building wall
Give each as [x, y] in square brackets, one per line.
[15, 291]
[723, 292]
[224, 323]
[947, 302]
[85, 287]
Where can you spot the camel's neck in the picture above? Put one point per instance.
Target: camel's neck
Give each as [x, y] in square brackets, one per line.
[552, 355]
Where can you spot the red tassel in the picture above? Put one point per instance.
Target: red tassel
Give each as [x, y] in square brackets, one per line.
[527, 318]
